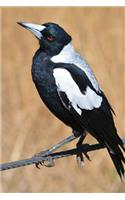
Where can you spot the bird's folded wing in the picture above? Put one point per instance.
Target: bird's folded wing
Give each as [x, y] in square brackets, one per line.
[75, 90]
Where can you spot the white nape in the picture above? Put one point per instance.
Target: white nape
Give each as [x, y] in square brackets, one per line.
[69, 55]
[66, 84]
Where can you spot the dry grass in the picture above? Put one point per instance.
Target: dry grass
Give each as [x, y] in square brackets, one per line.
[27, 125]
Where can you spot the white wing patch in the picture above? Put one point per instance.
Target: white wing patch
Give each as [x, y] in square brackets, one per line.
[65, 83]
[69, 55]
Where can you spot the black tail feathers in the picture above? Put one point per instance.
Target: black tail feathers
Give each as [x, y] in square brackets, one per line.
[118, 160]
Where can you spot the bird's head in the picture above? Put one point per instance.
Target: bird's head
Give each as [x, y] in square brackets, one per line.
[52, 38]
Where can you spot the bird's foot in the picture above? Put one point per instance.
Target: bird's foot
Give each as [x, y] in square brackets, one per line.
[80, 158]
[38, 164]
[49, 162]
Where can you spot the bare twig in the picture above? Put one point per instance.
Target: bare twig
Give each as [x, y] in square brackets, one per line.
[40, 158]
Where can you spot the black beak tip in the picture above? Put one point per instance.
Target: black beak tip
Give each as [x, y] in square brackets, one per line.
[21, 24]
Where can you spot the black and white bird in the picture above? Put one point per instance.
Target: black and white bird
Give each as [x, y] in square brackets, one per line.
[69, 88]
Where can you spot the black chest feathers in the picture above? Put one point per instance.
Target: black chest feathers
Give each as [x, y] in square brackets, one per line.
[42, 75]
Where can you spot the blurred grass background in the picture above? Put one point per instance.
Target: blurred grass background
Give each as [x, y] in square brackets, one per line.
[28, 126]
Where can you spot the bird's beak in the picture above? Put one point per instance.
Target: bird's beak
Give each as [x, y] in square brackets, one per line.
[36, 29]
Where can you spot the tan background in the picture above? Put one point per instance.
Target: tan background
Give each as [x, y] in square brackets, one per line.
[28, 127]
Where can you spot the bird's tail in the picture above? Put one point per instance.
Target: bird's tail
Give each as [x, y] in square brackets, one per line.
[118, 159]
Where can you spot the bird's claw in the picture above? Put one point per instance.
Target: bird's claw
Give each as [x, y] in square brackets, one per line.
[37, 165]
[49, 162]
[87, 156]
[80, 156]
[80, 160]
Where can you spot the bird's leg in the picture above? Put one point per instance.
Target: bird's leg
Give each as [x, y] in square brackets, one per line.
[53, 148]
[79, 156]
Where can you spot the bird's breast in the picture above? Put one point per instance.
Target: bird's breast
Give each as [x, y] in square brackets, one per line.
[42, 75]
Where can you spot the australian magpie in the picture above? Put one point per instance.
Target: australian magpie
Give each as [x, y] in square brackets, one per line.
[69, 88]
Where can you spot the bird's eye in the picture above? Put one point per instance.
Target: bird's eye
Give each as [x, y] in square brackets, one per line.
[50, 38]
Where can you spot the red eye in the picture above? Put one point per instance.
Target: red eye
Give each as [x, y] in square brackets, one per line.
[50, 38]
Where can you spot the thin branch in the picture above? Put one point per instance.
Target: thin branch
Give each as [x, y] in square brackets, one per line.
[41, 159]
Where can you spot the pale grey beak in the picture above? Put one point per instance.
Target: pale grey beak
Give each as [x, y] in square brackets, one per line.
[36, 29]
